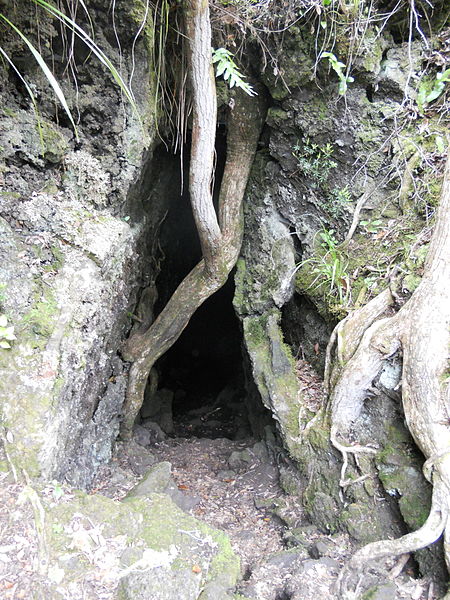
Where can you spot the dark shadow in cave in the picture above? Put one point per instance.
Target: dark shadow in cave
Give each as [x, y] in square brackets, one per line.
[201, 379]
[306, 332]
[205, 373]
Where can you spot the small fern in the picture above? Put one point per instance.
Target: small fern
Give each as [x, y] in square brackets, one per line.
[226, 66]
[338, 67]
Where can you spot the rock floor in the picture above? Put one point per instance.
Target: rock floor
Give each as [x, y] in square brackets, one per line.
[232, 485]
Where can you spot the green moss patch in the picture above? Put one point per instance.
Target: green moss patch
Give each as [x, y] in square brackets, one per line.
[180, 550]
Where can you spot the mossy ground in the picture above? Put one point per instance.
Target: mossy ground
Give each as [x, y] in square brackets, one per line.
[153, 523]
[365, 265]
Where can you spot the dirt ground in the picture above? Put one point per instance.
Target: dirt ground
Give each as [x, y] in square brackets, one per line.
[245, 501]
[233, 485]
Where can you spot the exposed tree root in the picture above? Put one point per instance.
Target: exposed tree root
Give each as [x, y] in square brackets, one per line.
[348, 333]
[379, 342]
[221, 235]
[421, 329]
[345, 451]
[430, 531]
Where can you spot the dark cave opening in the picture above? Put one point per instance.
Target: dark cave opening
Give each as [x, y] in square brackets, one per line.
[306, 331]
[205, 375]
[203, 380]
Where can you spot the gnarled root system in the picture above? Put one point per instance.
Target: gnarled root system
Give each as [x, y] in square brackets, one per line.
[421, 328]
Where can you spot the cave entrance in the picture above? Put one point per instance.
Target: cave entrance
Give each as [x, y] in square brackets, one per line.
[201, 379]
[202, 375]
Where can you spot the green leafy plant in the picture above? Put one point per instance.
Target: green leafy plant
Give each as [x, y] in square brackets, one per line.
[6, 332]
[337, 201]
[329, 267]
[338, 67]
[314, 161]
[372, 226]
[226, 67]
[431, 89]
[57, 490]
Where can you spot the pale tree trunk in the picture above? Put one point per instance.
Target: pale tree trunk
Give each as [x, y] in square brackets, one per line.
[422, 330]
[220, 238]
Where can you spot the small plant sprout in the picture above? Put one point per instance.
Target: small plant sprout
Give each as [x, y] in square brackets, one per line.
[226, 67]
[338, 67]
[57, 490]
[329, 268]
[431, 89]
[372, 226]
[337, 201]
[6, 332]
[314, 161]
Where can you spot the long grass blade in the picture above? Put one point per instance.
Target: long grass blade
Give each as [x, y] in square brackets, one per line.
[138, 33]
[49, 75]
[101, 56]
[29, 91]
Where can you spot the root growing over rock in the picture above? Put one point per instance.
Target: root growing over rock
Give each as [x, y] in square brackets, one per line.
[421, 329]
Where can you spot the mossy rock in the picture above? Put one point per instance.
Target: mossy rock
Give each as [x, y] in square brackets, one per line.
[39, 320]
[147, 543]
[274, 372]
[322, 508]
[399, 470]
[363, 523]
[54, 144]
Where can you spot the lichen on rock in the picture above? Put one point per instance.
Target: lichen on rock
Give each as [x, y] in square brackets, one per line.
[92, 544]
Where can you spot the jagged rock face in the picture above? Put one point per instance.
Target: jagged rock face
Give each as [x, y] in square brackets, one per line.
[72, 229]
[300, 188]
[75, 225]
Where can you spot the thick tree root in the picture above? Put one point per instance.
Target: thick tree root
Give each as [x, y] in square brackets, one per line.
[379, 342]
[348, 333]
[431, 530]
[422, 330]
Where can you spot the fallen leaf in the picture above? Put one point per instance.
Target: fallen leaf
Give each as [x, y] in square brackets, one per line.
[183, 487]
[7, 585]
[56, 574]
